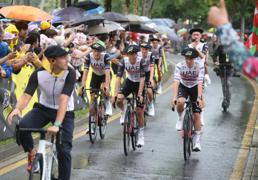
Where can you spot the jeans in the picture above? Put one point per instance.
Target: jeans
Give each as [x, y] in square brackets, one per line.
[40, 116]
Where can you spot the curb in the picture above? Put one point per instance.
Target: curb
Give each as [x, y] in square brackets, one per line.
[242, 157]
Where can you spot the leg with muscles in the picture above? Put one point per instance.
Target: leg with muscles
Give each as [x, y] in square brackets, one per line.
[151, 110]
[181, 112]
[105, 89]
[197, 136]
[140, 117]
[120, 104]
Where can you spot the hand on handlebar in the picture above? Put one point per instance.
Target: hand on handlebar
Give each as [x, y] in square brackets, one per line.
[52, 130]
[15, 112]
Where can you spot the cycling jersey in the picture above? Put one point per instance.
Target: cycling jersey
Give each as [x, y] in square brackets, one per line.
[203, 47]
[148, 60]
[189, 77]
[134, 71]
[98, 66]
[156, 52]
[52, 87]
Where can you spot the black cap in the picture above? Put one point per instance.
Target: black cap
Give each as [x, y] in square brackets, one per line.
[154, 38]
[190, 52]
[145, 45]
[55, 51]
[196, 30]
[132, 49]
[98, 47]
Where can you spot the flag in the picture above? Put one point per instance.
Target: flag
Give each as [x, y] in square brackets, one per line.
[254, 44]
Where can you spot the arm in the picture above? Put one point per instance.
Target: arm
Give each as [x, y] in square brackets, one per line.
[175, 90]
[142, 79]
[107, 70]
[86, 70]
[120, 73]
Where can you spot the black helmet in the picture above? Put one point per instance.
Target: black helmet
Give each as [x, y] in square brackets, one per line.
[190, 52]
[132, 49]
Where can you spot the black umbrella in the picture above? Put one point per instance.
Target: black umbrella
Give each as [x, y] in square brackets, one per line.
[139, 28]
[89, 20]
[117, 17]
[87, 5]
[70, 13]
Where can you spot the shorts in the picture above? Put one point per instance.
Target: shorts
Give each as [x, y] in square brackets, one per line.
[157, 62]
[97, 80]
[184, 91]
[129, 87]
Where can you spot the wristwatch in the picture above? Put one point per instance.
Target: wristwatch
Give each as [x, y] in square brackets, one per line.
[57, 123]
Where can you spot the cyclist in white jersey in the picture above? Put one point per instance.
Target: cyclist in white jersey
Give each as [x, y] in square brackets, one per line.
[135, 67]
[99, 61]
[149, 74]
[188, 81]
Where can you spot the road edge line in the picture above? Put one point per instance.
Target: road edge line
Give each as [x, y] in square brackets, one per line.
[240, 163]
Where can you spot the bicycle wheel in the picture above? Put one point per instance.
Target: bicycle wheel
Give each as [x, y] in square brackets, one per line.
[127, 132]
[134, 134]
[187, 136]
[93, 128]
[103, 126]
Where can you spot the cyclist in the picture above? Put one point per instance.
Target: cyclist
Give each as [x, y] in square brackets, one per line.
[221, 62]
[149, 62]
[56, 105]
[100, 63]
[157, 55]
[135, 68]
[188, 81]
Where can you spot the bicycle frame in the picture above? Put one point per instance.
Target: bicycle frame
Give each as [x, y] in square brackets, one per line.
[46, 149]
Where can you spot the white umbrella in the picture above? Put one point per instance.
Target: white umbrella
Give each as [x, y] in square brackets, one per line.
[105, 28]
[134, 19]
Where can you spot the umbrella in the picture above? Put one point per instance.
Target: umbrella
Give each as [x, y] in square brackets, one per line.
[135, 19]
[69, 14]
[87, 5]
[164, 22]
[140, 28]
[117, 17]
[89, 20]
[25, 13]
[98, 10]
[105, 28]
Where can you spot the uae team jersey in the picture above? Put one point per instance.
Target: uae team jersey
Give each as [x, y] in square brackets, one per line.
[189, 77]
[156, 52]
[148, 60]
[134, 71]
[52, 87]
[98, 66]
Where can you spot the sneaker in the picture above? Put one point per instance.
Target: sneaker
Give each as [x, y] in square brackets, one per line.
[197, 142]
[207, 78]
[108, 108]
[151, 110]
[140, 141]
[122, 118]
[31, 157]
[159, 89]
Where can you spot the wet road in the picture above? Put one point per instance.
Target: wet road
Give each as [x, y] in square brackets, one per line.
[162, 155]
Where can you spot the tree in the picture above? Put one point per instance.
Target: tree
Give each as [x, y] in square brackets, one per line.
[147, 6]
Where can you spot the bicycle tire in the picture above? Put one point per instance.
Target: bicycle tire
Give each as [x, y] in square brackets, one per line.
[92, 128]
[126, 133]
[102, 120]
[186, 138]
[134, 134]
